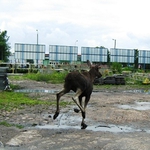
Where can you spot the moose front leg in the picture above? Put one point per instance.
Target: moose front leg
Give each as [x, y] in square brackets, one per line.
[83, 125]
[80, 102]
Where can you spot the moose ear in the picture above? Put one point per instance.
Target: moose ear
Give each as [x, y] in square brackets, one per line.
[89, 63]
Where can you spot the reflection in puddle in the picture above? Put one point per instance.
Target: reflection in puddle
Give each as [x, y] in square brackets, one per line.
[36, 91]
[110, 128]
[53, 91]
[136, 106]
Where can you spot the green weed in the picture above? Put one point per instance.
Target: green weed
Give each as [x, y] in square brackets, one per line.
[13, 87]
[4, 123]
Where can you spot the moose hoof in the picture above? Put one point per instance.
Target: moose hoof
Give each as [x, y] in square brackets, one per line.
[56, 115]
[76, 110]
[83, 126]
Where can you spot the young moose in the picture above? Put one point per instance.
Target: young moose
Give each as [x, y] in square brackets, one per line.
[82, 85]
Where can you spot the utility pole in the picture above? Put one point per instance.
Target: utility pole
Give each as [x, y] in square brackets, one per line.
[37, 37]
[76, 42]
[114, 43]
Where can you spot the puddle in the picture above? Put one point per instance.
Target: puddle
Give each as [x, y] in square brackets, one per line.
[36, 91]
[66, 121]
[103, 128]
[138, 91]
[53, 91]
[136, 106]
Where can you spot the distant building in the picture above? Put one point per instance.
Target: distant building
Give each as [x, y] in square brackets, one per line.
[29, 53]
[144, 59]
[122, 55]
[35, 53]
[94, 54]
[59, 53]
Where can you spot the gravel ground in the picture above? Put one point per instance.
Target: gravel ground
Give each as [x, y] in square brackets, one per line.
[109, 126]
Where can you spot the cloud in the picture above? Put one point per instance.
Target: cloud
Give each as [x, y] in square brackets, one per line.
[92, 23]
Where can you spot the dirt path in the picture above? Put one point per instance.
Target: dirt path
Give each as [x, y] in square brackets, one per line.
[109, 126]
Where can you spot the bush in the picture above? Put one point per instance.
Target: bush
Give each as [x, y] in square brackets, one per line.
[116, 67]
[55, 77]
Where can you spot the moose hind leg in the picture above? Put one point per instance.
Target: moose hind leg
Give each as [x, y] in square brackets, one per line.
[58, 95]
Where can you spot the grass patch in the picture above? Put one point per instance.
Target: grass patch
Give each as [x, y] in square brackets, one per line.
[10, 101]
[4, 123]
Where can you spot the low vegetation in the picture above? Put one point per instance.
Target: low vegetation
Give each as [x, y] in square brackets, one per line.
[136, 78]
[4, 123]
[12, 101]
[55, 77]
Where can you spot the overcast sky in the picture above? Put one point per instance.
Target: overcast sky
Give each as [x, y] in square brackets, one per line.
[77, 22]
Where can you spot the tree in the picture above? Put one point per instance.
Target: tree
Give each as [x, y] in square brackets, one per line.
[101, 47]
[136, 58]
[4, 46]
